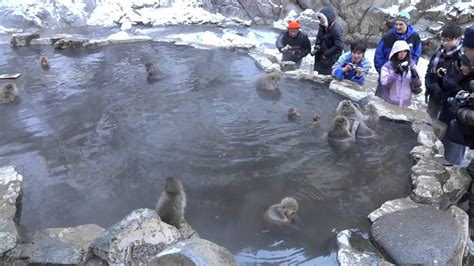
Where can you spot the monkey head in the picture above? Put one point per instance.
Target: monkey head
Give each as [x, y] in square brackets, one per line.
[293, 113]
[173, 185]
[289, 206]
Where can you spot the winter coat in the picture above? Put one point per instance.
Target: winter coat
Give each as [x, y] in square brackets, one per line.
[397, 88]
[453, 82]
[329, 43]
[442, 59]
[301, 46]
[384, 46]
[346, 58]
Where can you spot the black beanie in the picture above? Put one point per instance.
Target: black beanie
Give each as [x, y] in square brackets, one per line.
[469, 37]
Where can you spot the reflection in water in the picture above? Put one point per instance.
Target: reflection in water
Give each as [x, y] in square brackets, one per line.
[94, 141]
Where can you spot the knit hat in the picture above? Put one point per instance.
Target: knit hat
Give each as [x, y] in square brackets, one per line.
[469, 37]
[293, 24]
[404, 16]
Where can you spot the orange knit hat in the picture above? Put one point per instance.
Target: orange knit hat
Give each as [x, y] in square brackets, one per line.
[293, 24]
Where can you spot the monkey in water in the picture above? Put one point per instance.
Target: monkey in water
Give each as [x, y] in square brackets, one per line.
[151, 73]
[348, 109]
[282, 216]
[172, 203]
[371, 115]
[269, 82]
[8, 92]
[44, 62]
[341, 135]
[363, 131]
[293, 114]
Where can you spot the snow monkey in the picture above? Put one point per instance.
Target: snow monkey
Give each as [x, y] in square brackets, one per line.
[151, 73]
[269, 82]
[293, 114]
[172, 202]
[341, 135]
[282, 216]
[44, 62]
[348, 109]
[8, 92]
[371, 115]
[363, 131]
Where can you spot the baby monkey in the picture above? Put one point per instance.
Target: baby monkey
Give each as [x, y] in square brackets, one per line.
[8, 92]
[282, 216]
[172, 203]
[293, 114]
[44, 62]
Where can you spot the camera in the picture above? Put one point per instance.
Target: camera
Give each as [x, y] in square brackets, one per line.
[462, 99]
[315, 50]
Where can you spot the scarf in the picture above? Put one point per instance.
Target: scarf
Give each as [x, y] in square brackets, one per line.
[441, 54]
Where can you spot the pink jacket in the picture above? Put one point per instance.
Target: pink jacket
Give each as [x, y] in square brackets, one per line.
[396, 88]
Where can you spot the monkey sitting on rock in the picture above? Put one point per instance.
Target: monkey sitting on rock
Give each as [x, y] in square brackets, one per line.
[8, 93]
[172, 203]
[282, 216]
[44, 62]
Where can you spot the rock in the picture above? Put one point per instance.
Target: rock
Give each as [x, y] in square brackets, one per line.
[57, 246]
[303, 74]
[123, 37]
[264, 63]
[95, 43]
[356, 249]
[138, 237]
[58, 37]
[456, 186]
[11, 192]
[288, 65]
[70, 43]
[23, 39]
[348, 89]
[193, 252]
[421, 152]
[392, 206]
[422, 235]
[188, 232]
[41, 41]
[397, 113]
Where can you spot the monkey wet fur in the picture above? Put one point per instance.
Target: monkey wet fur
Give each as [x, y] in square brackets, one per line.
[282, 216]
[8, 93]
[172, 203]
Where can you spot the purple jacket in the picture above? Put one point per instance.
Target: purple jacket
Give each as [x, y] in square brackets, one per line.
[397, 88]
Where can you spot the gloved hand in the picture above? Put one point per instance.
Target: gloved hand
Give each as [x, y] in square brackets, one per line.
[315, 50]
[402, 67]
[416, 90]
[414, 73]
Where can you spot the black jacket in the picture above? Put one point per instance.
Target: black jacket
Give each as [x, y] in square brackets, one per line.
[330, 43]
[433, 83]
[301, 46]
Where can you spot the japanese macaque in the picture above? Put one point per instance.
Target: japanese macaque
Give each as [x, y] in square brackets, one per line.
[151, 73]
[293, 114]
[341, 135]
[44, 62]
[316, 120]
[371, 115]
[282, 216]
[8, 92]
[172, 203]
[348, 109]
[269, 82]
[363, 131]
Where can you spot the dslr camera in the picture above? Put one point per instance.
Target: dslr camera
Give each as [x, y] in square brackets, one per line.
[463, 99]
